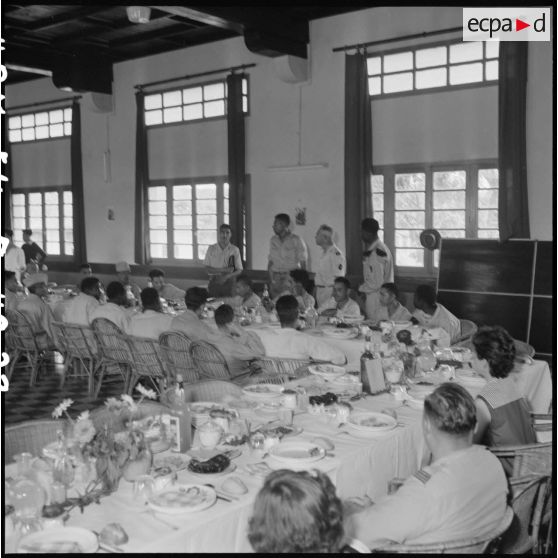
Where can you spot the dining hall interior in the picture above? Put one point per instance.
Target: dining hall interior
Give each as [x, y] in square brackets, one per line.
[283, 271]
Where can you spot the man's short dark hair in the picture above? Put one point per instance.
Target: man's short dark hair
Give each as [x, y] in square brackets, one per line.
[301, 276]
[287, 309]
[8, 233]
[195, 297]
[8, 275]
[391, 288]
[370, 225]
[88, 284]
[451, 408]
[156, 273]
[27, 232]
[495, 345]
[224, 315]
[244, 279]
[150, 298]
[85, 266]
[284, 218]
[225, 226]
[115, 289]
[343, 281]
[426, 293]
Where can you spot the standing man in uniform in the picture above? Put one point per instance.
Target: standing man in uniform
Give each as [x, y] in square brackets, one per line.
[287, 251]
[377, 267]
[331, 264]
[33, 252]
[14, 260]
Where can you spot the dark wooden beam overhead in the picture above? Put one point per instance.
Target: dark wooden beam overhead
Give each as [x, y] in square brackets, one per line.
[203, 17]
[56, 20]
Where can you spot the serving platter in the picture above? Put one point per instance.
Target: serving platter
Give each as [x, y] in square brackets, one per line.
[183, 498]
[263, 391]
[58, 539]
[337, 333]
[371, 422]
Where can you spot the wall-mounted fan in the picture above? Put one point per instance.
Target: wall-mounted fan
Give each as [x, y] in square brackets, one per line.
[430, 239]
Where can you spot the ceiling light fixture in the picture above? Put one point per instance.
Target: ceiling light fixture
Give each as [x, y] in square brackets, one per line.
[138, 14]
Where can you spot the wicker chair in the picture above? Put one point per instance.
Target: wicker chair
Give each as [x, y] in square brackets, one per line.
[475, 545]
[528, 496]
[542, 423]
[115, 354]
[31, 436]
[468, 329]
[527, 459]
[147, 363]
[210, 361]
[175, 349]
[103, 416]
[34, 346]
[523, 349]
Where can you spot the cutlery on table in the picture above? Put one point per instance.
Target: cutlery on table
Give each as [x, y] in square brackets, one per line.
[221, 495]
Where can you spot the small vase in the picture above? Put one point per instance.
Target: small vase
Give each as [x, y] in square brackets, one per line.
[138, 467]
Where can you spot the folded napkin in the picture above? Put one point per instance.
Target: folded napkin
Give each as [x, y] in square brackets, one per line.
[50, 547]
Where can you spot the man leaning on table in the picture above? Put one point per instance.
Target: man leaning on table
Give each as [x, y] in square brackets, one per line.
[331, 264]
[377, 267]
[79, 309]
[340, 304]
[461, 495]
[287, 342]
[166, 290]
[151, 321]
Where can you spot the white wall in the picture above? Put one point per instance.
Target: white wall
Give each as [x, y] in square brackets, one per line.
[276, 136]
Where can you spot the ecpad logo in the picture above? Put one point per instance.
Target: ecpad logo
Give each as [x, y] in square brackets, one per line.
[506, 24]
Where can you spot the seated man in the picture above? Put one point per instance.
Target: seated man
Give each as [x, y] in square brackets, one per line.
[340, 305]
[79, 309]
[115, 308]
[86, 269]
[430, 313]
[461, 495]
[287, 342]
[13, 290]
[190, 322]
[238, 346]
[245, 296]
[151, 322]
[165, 290]
[37, 311]
[133, 290]
[301, 280]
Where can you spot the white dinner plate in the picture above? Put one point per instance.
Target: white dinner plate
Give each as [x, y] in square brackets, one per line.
[296, 453]
[263, 391]
[340, 333]
[183, 498]
[36, 542]
[371, 422]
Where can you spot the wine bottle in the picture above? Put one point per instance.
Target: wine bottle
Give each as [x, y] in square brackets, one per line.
[182, 419]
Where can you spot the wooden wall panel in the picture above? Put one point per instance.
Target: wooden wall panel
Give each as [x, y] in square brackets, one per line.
[545, 269]
[543, 333]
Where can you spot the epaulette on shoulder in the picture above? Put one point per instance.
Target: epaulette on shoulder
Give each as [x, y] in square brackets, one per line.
[337, 253]
[423, 476]
[381, 252]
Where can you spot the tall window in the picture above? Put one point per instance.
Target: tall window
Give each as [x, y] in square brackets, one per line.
[34, 126]
[441, 65]
[459, 200]
[184, 217]
[48, 212]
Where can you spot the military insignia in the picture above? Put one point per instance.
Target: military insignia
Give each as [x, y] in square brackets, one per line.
[423, 476]
[337, 253]
[381, 253]
[340, 266]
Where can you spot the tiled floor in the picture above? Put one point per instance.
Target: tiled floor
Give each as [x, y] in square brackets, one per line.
[22, 402]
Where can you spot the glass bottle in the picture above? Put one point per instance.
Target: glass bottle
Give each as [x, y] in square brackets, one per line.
[371, 373]
[258, 314]
[182, 439]
[311, 317]
[63, 470]
[266, 300]
[28, 499]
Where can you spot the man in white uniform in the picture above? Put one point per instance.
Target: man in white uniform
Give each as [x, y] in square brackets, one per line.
[14, 260]
[377, 267]
[331, 264]
[80, 308]
[223, 264]
[11, 289]
[461, 495]
[123, 272]
[115, 308]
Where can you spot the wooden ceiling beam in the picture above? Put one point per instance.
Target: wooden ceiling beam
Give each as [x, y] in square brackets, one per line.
[47, 23]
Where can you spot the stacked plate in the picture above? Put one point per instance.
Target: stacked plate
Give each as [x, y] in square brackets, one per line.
[370, 424]
[263, 391]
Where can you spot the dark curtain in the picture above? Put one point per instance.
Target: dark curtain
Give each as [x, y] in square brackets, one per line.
[7, 171]
[358, 156]
[80, 248]
[142, 175]
[513, 209]
[236, 159]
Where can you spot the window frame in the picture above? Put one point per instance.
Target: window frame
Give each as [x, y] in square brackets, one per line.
[61, 216]
[64, 136]
[471, 168]
[448, 87]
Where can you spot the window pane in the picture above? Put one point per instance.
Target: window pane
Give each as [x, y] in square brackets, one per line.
[67, 197]
[207, 221]
[18, 199]
[214, 108]
[409, 257]
[463, 52]
[41, 132]
[35, 210]
[409, 220]
[158, 250]
[488, 219]
[183, 237]
[68, 223]
[68, 114]
[52, 235]
[19, 224]
[36, 225]
[426, 57]
[492, 49]
[489, 233]
[213, 91]
[182, 207]
[41, 118]
[18, 211]
[398, 82]
[488, 199]
[157, 193]
[411, 200]
[192, 95]
[35, 198]
[450, 180]
[184, 251]
[379, 216]
[377, 183]
[157, 236]
[68, 236]
[172, 98]
[56, 116]
[158, 222]
[374, 65]
[207, 237]
[14, 122]
[153, 117]
[245, 87]
[407, 239]
[172, 114]
[202, 250]
[28, 120]
[375, 86]
[378, 202]
[244, 104]
[52, 223]
[448, 219]
[408, 182]
[226, 209]
[206, 191]
[182, 221]
[492, 70]
[182, 192]
[488, 178]
[51, 198]
[153, 102]
[69, 249]
[67, 129]
[226, 190]
[448, 233]
[431, 78]
[467, 73]
[28, 134]
[193, 112]
[56, 130]
[449, 200]
[398, 62]
[206, 207]
[53, 248]
[68, 211]
[157, 208]
[15, 136]
[38, 235]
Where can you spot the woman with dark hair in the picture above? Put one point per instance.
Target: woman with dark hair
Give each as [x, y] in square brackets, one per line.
[296, 512]
[502, 412]
[390, 308]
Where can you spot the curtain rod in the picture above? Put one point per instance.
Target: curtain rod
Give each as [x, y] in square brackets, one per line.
[53, 102]
[396, 39]
[140, 86]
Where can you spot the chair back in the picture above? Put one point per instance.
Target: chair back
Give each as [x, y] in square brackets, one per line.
[146, 358]
[468, 329]
[473, 545]
[79, 340]
[59, 338]
[210, 390]
[112, 342]
[523, 349]
[527, 459]
[175, 350]
[293, 366]
[23, 336]
[210, 362]
[116, 420]
[528, 495]
[31, 436]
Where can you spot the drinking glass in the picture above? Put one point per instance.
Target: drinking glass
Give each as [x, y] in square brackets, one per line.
[143, 488]
[23, 461]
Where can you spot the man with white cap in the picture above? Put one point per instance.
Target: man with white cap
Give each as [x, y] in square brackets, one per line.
[123, 272]
[37, 311]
